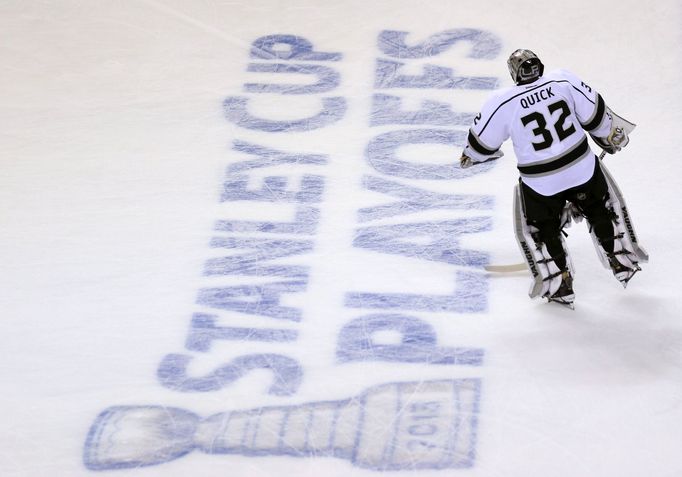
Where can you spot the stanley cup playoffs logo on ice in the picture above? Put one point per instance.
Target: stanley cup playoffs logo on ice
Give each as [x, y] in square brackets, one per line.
[427, 424]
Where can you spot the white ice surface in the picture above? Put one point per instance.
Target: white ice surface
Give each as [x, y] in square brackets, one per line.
[114, 149]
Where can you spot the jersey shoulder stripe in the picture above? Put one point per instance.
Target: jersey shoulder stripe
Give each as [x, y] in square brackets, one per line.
[520, 93]
[505, 101]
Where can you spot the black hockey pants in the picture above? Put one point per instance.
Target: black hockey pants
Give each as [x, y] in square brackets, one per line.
[544, 213]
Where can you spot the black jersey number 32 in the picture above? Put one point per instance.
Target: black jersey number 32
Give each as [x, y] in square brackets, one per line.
[541, 130]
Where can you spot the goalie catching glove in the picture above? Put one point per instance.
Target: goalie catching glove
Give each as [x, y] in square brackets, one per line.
[614, 142]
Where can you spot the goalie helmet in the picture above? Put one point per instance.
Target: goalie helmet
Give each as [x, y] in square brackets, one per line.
[525, 66]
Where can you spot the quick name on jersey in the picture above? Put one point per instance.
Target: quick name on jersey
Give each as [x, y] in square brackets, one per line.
[536, 97]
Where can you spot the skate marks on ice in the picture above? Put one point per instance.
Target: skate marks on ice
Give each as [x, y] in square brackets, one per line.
[259, 260]
[395, 426]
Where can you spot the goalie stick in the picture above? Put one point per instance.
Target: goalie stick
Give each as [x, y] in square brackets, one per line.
[617, 122]
[510, 268]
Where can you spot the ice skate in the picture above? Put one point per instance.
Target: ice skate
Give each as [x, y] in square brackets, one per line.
[622, 272]
[564, 295]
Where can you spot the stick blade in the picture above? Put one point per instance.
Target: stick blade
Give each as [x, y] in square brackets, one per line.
[514, 267]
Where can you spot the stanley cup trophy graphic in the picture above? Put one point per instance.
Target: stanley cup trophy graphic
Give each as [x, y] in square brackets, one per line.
[394, 426]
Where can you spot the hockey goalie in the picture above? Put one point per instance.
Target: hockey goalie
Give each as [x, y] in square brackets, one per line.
[561, 179]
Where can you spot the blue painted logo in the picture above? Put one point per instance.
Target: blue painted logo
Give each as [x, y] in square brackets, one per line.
[259, 261]
[394, 426]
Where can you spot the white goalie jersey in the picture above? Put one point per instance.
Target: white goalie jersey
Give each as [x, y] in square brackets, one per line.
[546, 121]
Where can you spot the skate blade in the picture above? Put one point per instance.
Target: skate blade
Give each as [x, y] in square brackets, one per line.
[562, 302]
[626, 279]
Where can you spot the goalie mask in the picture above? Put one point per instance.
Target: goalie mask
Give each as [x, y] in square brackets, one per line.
[525, 66]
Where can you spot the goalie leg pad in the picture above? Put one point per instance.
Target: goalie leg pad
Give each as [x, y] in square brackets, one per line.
[623, 254]
[547, 277]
